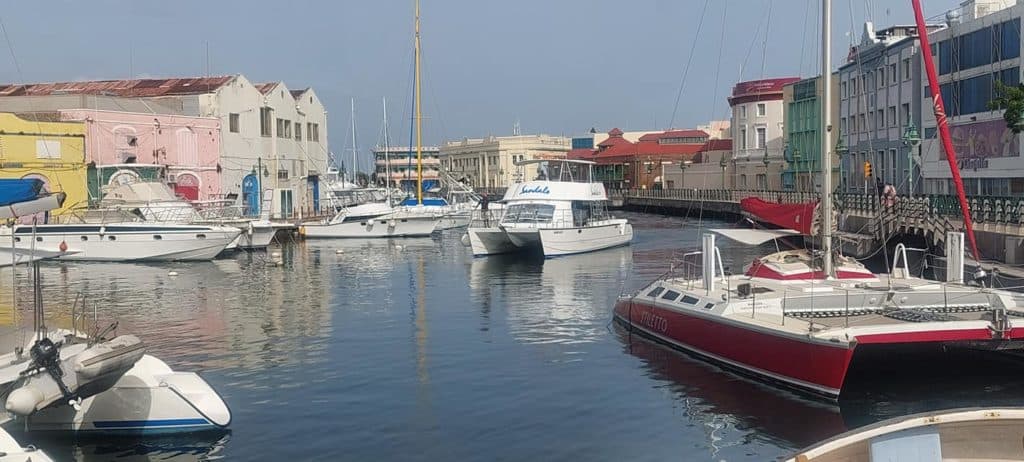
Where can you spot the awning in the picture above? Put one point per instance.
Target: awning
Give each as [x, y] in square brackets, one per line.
[755, 236]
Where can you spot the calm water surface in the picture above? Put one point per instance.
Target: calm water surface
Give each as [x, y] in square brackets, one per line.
[414, 350]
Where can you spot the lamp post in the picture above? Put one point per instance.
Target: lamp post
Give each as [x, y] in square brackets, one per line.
[722, 163]
[683, 165]
[912, 139]
[841, 151]
[765, 161]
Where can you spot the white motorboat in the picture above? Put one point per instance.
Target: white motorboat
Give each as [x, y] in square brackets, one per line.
[562, 212]
[140, 241]
[373, 219]
[962, 435]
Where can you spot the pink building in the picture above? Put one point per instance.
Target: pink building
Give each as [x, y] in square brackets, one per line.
[188, 146]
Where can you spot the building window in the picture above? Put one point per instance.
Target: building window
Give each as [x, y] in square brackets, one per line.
[233, 122]
[265, 121]
[892, 115]
[906, 113]
[761, 109]
[880, 165]
[313, 131]
[880, 78]
[47, 149]
[762, 181]
[881, 119]
[761, 137]
[893, 76]
[862, 123]
[282, 174]
[743, 138]
[892, 168]
[906, 69]
[842, 126]
[298, 131]
[743, 112]
[843, 89]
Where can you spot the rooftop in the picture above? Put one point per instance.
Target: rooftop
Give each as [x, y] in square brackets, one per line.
[129, 87]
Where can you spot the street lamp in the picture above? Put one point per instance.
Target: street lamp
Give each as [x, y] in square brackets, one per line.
[683, 165]
[912, 139]
[765, 161]
[841, 151]
[723, 163]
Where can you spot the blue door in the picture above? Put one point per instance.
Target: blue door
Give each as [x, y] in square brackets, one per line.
[251, 194]
[314, 186]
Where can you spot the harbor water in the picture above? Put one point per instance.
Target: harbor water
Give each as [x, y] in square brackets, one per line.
[413, 350]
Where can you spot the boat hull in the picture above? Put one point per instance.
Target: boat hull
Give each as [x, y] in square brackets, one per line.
[809, 366]
[130, 242]
[557, 242]
[489, 241]
[410, 226]
[149, 398]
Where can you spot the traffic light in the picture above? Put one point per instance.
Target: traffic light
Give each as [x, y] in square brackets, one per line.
[867, 169]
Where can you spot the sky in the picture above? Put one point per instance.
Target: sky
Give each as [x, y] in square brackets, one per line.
[557, 67]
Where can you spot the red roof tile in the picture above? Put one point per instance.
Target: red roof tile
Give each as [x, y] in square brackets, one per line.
[615, 132]
[265, 87]
[128, 88]
[580, 154]
[298, 93]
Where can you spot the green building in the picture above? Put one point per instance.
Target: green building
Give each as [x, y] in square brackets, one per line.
[802, 115]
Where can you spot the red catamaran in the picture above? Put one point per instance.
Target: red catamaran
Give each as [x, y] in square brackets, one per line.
[799, 317]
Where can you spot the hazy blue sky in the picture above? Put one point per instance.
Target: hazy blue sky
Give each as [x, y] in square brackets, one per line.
[560, 67]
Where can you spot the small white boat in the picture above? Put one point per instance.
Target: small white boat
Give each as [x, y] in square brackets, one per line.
[374, 219]
[962, 435]
[562, 212]
[123, 241]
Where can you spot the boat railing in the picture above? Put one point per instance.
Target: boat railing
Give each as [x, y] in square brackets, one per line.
[553, 219]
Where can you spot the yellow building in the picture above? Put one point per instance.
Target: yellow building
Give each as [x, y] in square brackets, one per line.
[46, 149]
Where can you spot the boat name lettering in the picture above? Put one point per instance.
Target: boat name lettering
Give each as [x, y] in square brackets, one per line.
[535, 190]
[654, 321]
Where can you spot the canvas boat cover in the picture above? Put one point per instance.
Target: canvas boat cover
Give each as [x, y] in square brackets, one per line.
[798, 217]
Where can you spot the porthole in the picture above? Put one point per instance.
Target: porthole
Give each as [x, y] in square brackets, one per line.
[85, 238]
[157, 237]
[39, 239]
[17, 239]
[200, 236]
[111, 238]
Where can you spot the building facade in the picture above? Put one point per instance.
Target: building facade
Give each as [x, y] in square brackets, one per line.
[757, 128]
[50, 150]
[980, 47]
[402, 162]
[880, 90]
[490, 162]
[802, 135]
[271, 137]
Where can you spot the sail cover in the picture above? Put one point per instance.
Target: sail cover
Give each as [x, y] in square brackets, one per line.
[13, 191]
[798, 217]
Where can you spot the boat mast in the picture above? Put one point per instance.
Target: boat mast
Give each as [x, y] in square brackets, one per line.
[352, 169]
[419, 114]
[826, 127]
[943, 125]
[387, 158]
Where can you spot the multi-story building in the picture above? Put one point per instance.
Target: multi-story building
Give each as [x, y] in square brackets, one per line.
[880, 90]
[403, 167]
[757, 125]
[490, 162]
[802, 135]
[49, 150]
[271, 137]
[980, 47]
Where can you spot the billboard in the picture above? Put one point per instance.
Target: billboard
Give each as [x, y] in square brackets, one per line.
[984, 140]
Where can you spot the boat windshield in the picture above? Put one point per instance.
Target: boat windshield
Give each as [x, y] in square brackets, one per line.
[555, 170]
[352, 197]
[529, 213]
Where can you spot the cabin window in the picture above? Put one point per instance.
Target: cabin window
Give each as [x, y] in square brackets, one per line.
[200, 236]
[111, 238]
[690, 300]
[709, 306]
[157, 237]
[670, 295]
[17, 239]
[657, 291]
[39, 239]
[85, 238]
[529, 213]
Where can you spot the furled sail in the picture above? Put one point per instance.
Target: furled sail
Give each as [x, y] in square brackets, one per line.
[798, 217]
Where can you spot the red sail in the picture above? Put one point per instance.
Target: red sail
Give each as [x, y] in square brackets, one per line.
[798, 217]
[943, 126]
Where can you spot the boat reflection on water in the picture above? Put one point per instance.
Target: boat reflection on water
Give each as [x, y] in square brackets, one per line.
[560, 300]
[183, 448]
[719, 400]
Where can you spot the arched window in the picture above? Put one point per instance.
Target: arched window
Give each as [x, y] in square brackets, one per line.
[126, 142]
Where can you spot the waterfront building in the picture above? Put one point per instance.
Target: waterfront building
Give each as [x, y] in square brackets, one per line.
[802, 137]
[490, 162]
[52, 151]
[980, 46]
[707, 169]
[880, 89]
[757, 126]
[623, 164]
[280, 133]
[402, 160]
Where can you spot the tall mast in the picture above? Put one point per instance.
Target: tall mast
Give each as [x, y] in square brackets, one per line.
[419, 114]
[352, 169]
[387, 158]
[826, 127]
[943, 126]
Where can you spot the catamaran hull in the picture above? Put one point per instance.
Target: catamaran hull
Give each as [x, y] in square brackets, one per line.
[811, 367]
[489, 241]
[149, 398]
[453, 222]
[130, 242]
[557, 242]
[412, 226]
[254, 236]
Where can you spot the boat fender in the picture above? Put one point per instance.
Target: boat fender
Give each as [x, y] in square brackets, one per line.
[392, 223]
[23, 401]
[249, 230]
[465, 240]
[63, 246]
[118, 355]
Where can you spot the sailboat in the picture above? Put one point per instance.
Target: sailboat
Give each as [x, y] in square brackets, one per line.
[798, 318]
[369, 216]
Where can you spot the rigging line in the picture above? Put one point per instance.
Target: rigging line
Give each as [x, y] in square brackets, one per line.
[764, 43]
[689, 59]
[714, 112]
[803, 39]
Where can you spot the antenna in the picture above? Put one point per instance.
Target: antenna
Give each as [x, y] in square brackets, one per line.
[516, 128]
[355, 150]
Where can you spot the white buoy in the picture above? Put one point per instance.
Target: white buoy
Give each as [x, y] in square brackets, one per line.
[275, 254]
[339, 251]
[172, 273]
[465, 239]
[398, 247]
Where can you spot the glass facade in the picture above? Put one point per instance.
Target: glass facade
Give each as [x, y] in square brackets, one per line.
[982, 47]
